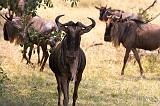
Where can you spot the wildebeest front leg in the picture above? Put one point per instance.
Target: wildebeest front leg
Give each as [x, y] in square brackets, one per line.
[76, 85]
[38, 52]
[65, 89]
[138, 60]
[125, 60]
[24, 53]
[59, 89]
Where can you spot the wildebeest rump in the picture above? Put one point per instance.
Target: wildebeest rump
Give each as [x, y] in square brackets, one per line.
[68, 60]
[134, 35]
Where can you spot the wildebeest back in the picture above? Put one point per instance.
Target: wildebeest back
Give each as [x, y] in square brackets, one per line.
[148, 36]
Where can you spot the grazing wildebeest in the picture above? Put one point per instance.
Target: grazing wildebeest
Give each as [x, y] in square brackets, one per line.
[14, 30]
[133, 35]
[68, 60]
[44, 29]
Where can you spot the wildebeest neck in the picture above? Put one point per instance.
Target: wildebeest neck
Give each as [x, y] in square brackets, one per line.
[70, 54]
[107, 36]
[118, 32]
[71, 59]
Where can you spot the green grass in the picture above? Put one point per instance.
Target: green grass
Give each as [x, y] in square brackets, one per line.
[39, 89]
[101, 85]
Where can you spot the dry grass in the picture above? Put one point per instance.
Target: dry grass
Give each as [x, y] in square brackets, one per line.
[101, 84]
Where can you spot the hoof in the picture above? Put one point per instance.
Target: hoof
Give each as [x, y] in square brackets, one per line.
[122, 77]
[142, 77]
[41, 70]
[32, 65]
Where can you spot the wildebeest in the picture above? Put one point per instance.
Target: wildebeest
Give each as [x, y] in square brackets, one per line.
[14, 29]
[133, 35]
[44, 29]
[105, 12]
[68, 60]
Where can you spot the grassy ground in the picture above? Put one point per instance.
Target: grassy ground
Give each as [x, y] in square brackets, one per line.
[23, 85]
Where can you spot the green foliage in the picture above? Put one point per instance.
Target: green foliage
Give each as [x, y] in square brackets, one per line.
[36, 36]
[145, 16]
[73, 2]
[6, 3]
[32, 5]
[58, 35]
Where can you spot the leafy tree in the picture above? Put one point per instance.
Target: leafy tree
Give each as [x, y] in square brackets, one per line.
[145, 15]
[73, 2]
[30, 5]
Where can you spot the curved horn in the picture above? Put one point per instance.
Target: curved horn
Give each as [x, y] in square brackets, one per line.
[93, 22]
[10, 17]
[97, 8]
[61, 26]
[4, 17]
[57, 20]
[88, 28]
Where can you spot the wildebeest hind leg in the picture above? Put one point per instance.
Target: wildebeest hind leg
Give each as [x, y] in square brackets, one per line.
[30, 53]
[76, 85]
[125, 60]
[45, 54]
[138, 60]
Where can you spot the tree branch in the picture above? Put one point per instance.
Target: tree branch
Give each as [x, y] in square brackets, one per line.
[95, 44]
[149, 7]
[153, 18]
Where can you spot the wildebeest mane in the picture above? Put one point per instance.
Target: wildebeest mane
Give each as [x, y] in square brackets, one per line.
[119, 32]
